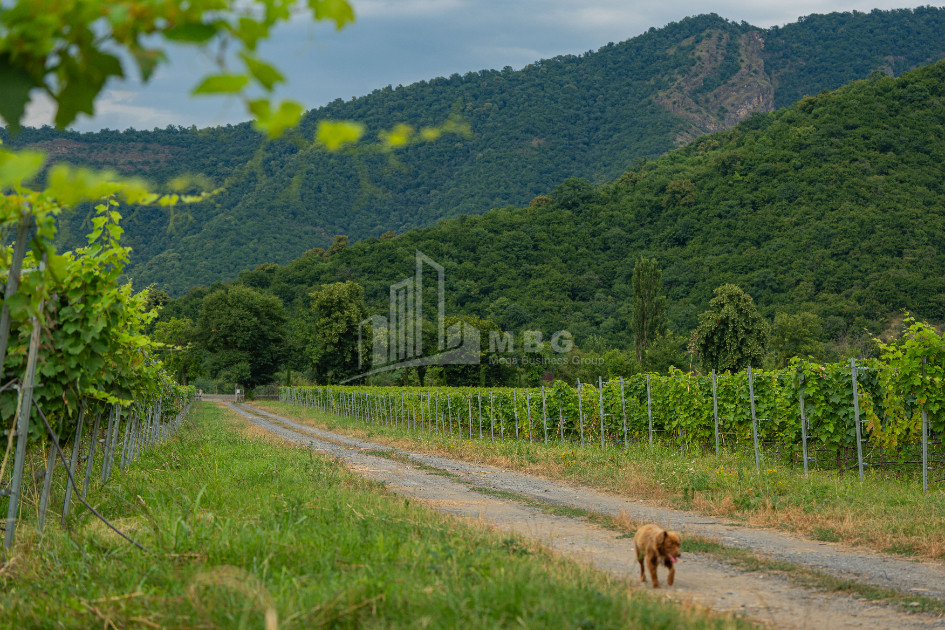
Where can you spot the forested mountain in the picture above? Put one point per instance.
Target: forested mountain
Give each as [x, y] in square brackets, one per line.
[833, 206]
[589, 115]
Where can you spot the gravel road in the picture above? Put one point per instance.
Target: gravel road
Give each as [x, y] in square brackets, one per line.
[701, 579]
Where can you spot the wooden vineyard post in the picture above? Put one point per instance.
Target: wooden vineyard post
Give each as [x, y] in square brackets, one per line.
[491, 419]
[13, 282]
[47, 484]
[449, 409]
[88, 463]
[469, 400]
[479, 398]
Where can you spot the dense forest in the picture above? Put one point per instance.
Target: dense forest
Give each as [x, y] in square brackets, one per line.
[831, 208]
[590, 116]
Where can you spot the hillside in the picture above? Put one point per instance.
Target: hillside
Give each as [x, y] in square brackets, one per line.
[833, 206]
[590, 115]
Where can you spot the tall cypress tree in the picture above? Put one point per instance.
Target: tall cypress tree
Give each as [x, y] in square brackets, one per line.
[648, 316]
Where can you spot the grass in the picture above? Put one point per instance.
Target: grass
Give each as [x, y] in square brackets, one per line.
[882, 513]
[247, 532]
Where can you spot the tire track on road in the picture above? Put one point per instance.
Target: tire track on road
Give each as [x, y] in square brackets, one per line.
[701, 579]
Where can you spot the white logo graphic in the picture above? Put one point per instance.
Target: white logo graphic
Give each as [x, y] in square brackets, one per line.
[398, 338]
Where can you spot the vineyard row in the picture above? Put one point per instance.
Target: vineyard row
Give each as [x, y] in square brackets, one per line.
[817, 413]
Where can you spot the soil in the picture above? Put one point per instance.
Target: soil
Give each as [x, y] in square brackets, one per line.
[766, 597]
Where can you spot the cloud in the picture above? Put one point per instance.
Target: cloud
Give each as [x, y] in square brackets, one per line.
[405, 8]
[610, 15]
[119, 109]
[515, 56]
[40, 111]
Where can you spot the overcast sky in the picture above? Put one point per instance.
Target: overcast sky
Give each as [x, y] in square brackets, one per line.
[402, 41]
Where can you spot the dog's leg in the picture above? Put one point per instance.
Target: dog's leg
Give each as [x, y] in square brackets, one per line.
[672, 574]
[642, 570]
[652, 562]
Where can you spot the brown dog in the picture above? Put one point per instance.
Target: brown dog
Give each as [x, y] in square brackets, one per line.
[657, 546]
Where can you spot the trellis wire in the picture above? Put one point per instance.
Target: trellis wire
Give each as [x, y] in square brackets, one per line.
[609, 425]
[136, 432]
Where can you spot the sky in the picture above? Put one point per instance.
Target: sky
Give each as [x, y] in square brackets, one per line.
[397, 42]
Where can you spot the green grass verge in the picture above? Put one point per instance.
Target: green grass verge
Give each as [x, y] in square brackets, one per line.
[241, 530]
[883, 513]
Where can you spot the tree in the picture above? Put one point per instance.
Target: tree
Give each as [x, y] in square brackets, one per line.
[489, 370]
[180, 355]
[795, 336]
[665, 351]
[507, 314]
[619, 363]
[243, 330]
[339, 244]
[573, 193]
[648, 317]
[155, 299]
[338, 311]
[731, 334]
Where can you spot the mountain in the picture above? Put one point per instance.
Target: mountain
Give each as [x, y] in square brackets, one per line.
[834, 205]
[589, 115]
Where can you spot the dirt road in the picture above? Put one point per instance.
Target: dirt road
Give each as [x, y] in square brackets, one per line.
[700, 578]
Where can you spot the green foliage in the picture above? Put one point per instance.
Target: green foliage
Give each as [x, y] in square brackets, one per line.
[666, 351]
[795, 335]
[535, 128]
[337, 310]
[93, 350]
[649, 305]
[851, 254]
[489, 370]
[891, 393]
[618, 363]
[916, 364]
[243, 332]
[337, 245]
[70, 49]
[852, 42]
[731, 334]
[179, 354]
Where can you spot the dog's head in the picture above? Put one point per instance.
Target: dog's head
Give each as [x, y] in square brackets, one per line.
[669, 547]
